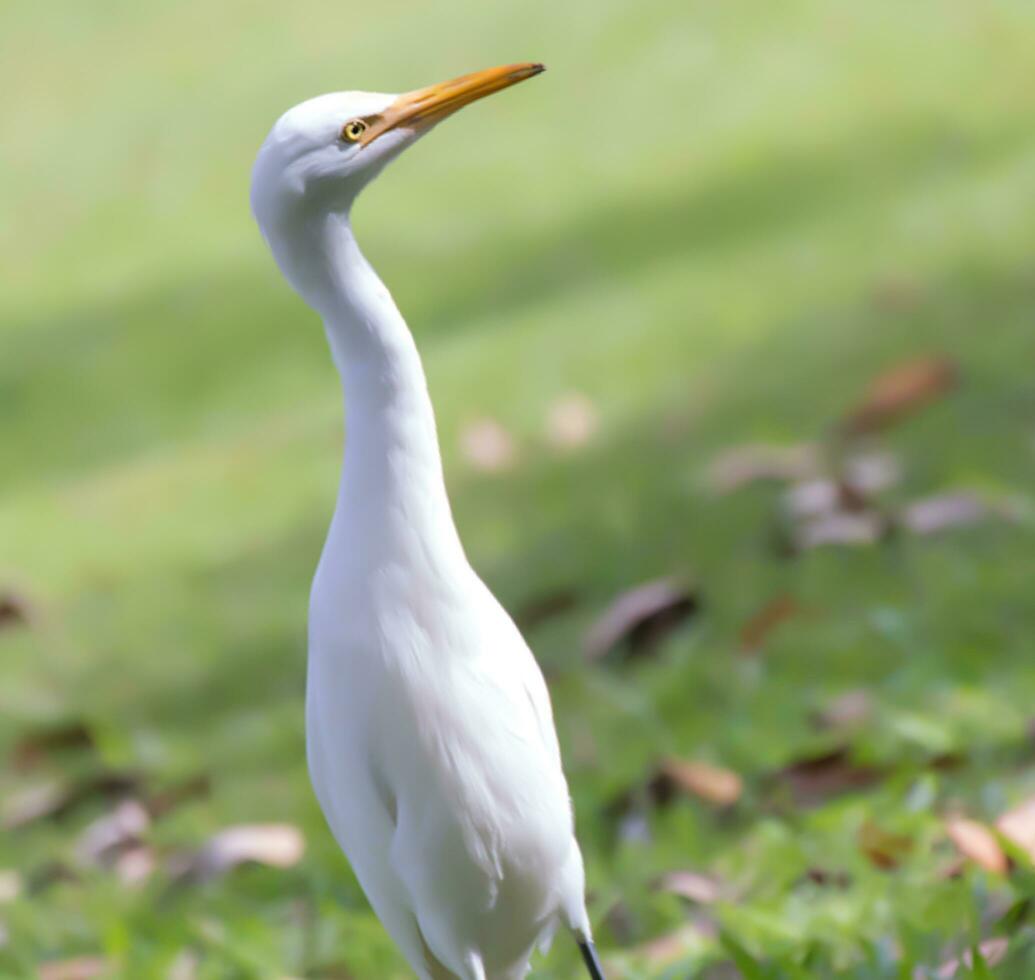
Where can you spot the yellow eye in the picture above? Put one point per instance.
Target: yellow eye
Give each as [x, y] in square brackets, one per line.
[353, 130]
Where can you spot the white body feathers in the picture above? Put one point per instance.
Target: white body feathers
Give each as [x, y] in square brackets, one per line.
[430, 737]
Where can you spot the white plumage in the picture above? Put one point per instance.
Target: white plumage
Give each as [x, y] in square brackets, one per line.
[430, 737]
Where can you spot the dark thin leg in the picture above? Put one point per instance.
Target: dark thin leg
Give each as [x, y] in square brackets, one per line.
[592, 961]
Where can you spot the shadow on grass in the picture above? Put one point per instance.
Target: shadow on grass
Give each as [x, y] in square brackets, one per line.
[632, 507]
[109, 381]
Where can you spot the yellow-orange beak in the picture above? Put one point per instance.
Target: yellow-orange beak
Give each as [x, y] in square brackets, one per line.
[429, 105]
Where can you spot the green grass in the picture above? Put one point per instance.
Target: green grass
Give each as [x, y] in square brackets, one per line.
[692, 219]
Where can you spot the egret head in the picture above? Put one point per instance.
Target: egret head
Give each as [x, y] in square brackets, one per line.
[321, 153]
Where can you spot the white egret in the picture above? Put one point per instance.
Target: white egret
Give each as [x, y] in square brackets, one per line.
[429, 732]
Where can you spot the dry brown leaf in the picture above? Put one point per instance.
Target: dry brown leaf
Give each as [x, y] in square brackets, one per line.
[15, 609]
[640, 618]
[11, 885]
[278, 845]
[193, 788]
[114, 841]
[664, 950]
[101, 841]
[620, 923]
[993, 952]
[573, 420]
[826, 878]
[487, 446]
[186, 966]
[885, 849]
[36, 746]
[977, 842]
[815, 779]
[49, 874]
[812, 498]
[866, 474]
[546, 606]
[713, 784]
[52, 800]
[952, 869]
[1018, 825]
[847, 711]
[840, 528]
[862, 478]
[33, 803]
[742, 465]
[901, 391]
[691, 885]
[761, 625]
[944, 511]
[77, 968]
[135, 864]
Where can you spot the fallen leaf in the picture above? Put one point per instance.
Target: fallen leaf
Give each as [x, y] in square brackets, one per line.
[278, 845]
[944, 511]
[185, 966]
[11, 885]
[742, 465]
[487, 446]
[169, 799]
[640, 618]
[993, 952]
[53, 800]
[690, 885]
[825, 878]
[866, 474]
[952, 869]
[15, 609]
[618, 921]
[666, 949]
[36, 746]
[814, 780]
[707, 782]
[663, 949]
[861, 478]
[812, 498]
[977, 842]
[548, 605]
[899, 392]
[841, 528]
[847, 711]
[77, 968]
[572, 421]
[761, 625]
[135, 863]
[33, 803]
[51, 873]
[101, 841]
[1018, 825]
[885, 849]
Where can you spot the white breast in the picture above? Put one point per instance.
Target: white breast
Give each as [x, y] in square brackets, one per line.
[433, 754]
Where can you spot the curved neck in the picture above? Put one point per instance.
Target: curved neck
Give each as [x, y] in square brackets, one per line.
[392, 504]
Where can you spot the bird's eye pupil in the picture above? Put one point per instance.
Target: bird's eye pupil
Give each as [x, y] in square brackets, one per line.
[353, 129]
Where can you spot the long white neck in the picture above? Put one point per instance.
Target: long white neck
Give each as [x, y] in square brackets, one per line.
[392, 506]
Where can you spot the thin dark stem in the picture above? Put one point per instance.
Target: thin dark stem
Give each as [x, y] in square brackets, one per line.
[592, 961]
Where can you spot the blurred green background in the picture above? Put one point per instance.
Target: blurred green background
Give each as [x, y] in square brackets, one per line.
[708, 225]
